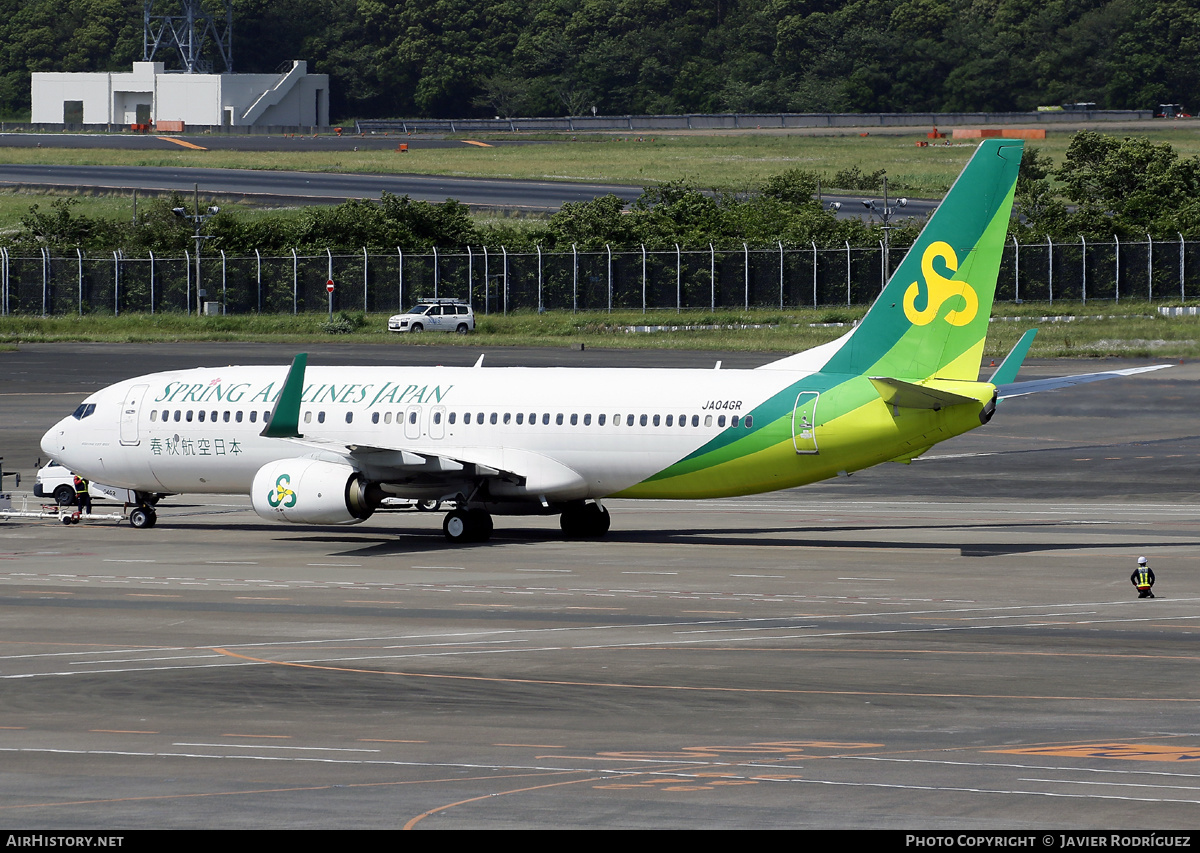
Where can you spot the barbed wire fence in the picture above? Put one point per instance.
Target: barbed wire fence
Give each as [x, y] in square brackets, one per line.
[497, 281]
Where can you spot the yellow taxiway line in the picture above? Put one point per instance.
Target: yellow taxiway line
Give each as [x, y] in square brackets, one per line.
[182, 142]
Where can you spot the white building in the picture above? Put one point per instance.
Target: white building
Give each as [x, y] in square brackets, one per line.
[149, 95]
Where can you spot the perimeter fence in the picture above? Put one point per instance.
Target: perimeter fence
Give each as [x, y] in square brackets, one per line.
[497, 281]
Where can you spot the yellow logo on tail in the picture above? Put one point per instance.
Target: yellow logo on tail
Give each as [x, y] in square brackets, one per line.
[939, 290]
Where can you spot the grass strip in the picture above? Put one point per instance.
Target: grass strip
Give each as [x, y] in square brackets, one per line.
[1091, 330]
[723, 161]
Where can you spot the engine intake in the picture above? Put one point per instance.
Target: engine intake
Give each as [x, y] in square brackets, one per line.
[312, 491]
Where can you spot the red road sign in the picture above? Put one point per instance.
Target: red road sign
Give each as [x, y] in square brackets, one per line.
[329, 286]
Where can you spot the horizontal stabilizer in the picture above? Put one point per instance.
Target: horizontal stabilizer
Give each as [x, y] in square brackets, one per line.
[1036, 386]
[907, 395]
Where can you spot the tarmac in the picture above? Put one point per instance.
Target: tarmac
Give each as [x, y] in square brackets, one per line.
[952, 644]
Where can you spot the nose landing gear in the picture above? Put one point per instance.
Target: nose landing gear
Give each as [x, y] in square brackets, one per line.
[143, 517]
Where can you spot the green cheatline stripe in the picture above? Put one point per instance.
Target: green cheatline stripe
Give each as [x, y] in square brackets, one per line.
[732, 442]
[773, 422]
[285, 419]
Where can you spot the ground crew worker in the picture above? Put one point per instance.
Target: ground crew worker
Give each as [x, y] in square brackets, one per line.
[1143, 578]
[83, 498]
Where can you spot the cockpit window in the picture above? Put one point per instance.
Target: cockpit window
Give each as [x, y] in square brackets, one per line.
[83, 411]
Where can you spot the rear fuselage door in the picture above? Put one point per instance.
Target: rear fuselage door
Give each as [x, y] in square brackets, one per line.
[804, 422]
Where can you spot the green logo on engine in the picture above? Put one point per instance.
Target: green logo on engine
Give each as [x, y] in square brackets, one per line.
[281, 494]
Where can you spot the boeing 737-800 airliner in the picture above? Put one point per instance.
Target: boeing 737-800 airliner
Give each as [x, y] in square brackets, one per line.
[329, 446]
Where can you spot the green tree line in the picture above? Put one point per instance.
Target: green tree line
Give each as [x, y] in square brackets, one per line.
[449, 58]
[665, 215]
[1104, 186]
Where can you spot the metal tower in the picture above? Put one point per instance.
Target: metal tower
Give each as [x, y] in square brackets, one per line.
[190, 33]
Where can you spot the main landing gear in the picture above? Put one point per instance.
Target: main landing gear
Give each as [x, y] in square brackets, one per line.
[468, 525]
[585, 521]
[578, 521]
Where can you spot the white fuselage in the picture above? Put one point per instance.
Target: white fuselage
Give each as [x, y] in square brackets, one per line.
[198, 430]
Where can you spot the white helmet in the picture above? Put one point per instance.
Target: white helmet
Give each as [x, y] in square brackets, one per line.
[1141, 561]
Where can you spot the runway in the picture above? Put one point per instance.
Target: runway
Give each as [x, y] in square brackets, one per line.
[948, 645]
[261, 186]
[309, 188]
[271, 187]
[348, 142]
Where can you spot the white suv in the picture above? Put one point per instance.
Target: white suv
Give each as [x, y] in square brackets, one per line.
[435, 315]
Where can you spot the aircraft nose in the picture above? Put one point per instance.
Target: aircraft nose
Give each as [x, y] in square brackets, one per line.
[52, 443]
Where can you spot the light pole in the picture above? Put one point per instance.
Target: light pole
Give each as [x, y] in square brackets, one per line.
[197, 219]
[886, 214]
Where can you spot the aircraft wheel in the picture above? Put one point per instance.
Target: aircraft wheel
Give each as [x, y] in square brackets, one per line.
[455, 526]
[571, 522]
[600, 520]
[467, 525]
[143, 517]
[481, 524]
[585, 521]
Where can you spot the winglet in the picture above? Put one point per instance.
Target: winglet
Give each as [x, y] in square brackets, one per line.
[1007, 371]
[285, 418]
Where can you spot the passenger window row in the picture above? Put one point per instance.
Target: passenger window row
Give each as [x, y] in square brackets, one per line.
[187, 415]
[478, 418]
[574, 419]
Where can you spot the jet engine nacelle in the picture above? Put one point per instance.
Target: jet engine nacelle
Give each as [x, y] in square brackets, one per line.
[311, 491]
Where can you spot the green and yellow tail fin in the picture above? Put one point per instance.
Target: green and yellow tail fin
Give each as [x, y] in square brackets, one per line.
[932, 317]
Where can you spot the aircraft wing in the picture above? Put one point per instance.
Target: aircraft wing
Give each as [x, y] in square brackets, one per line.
[533, 472]
[1036, 386]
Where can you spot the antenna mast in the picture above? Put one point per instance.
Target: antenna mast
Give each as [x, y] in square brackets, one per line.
[189, 33]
